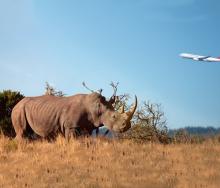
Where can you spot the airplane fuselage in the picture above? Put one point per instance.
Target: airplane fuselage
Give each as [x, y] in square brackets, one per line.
[199, 57]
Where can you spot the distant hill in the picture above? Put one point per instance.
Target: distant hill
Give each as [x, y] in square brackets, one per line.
[202, 131]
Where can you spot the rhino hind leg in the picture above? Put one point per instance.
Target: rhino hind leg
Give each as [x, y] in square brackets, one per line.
[19, 130]
[19, 123]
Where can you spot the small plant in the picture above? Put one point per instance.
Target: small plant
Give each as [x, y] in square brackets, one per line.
[11, 146]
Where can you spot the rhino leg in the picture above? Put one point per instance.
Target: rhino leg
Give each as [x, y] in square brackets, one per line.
[106, 132]
[97, 132]
[19, 123]
[67, 134]
[71, 132]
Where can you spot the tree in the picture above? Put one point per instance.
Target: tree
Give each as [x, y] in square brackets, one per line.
[149, 124]
[151, 114]
[50, 90]
[8, 99]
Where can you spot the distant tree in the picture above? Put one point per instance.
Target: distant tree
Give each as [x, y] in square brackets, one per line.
[8, 99]
[50, 90]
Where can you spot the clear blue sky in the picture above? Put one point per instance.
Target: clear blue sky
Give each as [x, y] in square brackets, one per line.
[135, 42]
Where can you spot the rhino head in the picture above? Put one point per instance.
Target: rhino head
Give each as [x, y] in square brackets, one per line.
[102, 112]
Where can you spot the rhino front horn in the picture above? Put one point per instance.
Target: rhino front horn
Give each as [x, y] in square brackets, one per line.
[132, 110]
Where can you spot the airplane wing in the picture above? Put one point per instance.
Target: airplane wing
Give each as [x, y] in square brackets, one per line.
[194, 57]
[203, 58]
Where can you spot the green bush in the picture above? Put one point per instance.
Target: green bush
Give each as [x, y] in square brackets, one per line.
[8, 99]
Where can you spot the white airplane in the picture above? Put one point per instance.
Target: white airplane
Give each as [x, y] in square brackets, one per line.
[200, 57]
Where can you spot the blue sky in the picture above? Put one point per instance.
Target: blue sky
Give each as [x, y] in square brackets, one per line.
[134, 42]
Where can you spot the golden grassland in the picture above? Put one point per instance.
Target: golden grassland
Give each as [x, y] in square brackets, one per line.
[92, 162]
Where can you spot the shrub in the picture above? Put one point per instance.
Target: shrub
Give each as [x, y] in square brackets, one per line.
[146, 133]
[149, 124]
[8, 99]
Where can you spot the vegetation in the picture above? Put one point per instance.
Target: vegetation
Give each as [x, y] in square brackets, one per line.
[201, 131]
[136, 159]
[8, 99]
[194, 134]
[148, 123]
[102, 163]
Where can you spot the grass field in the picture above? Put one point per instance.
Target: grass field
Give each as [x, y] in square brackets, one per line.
[102, 163]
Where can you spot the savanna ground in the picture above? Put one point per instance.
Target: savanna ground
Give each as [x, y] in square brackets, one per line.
[103, 163]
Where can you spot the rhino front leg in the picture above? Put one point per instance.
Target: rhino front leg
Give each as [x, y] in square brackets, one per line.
[97, 132]
[106, 132]
[71, 131]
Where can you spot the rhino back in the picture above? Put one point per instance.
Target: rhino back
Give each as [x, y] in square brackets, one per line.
[46, 114]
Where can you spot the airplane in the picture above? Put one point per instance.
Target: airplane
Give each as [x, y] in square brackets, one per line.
[200, 57]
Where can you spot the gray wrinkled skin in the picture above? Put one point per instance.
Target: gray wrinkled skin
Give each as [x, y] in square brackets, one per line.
[48, 114]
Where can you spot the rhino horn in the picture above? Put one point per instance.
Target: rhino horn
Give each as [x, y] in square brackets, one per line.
[131, 112]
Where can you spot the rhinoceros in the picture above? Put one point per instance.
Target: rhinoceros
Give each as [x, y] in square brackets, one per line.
[47, 114]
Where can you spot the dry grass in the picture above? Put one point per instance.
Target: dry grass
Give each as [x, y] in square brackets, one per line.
[102, 163]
